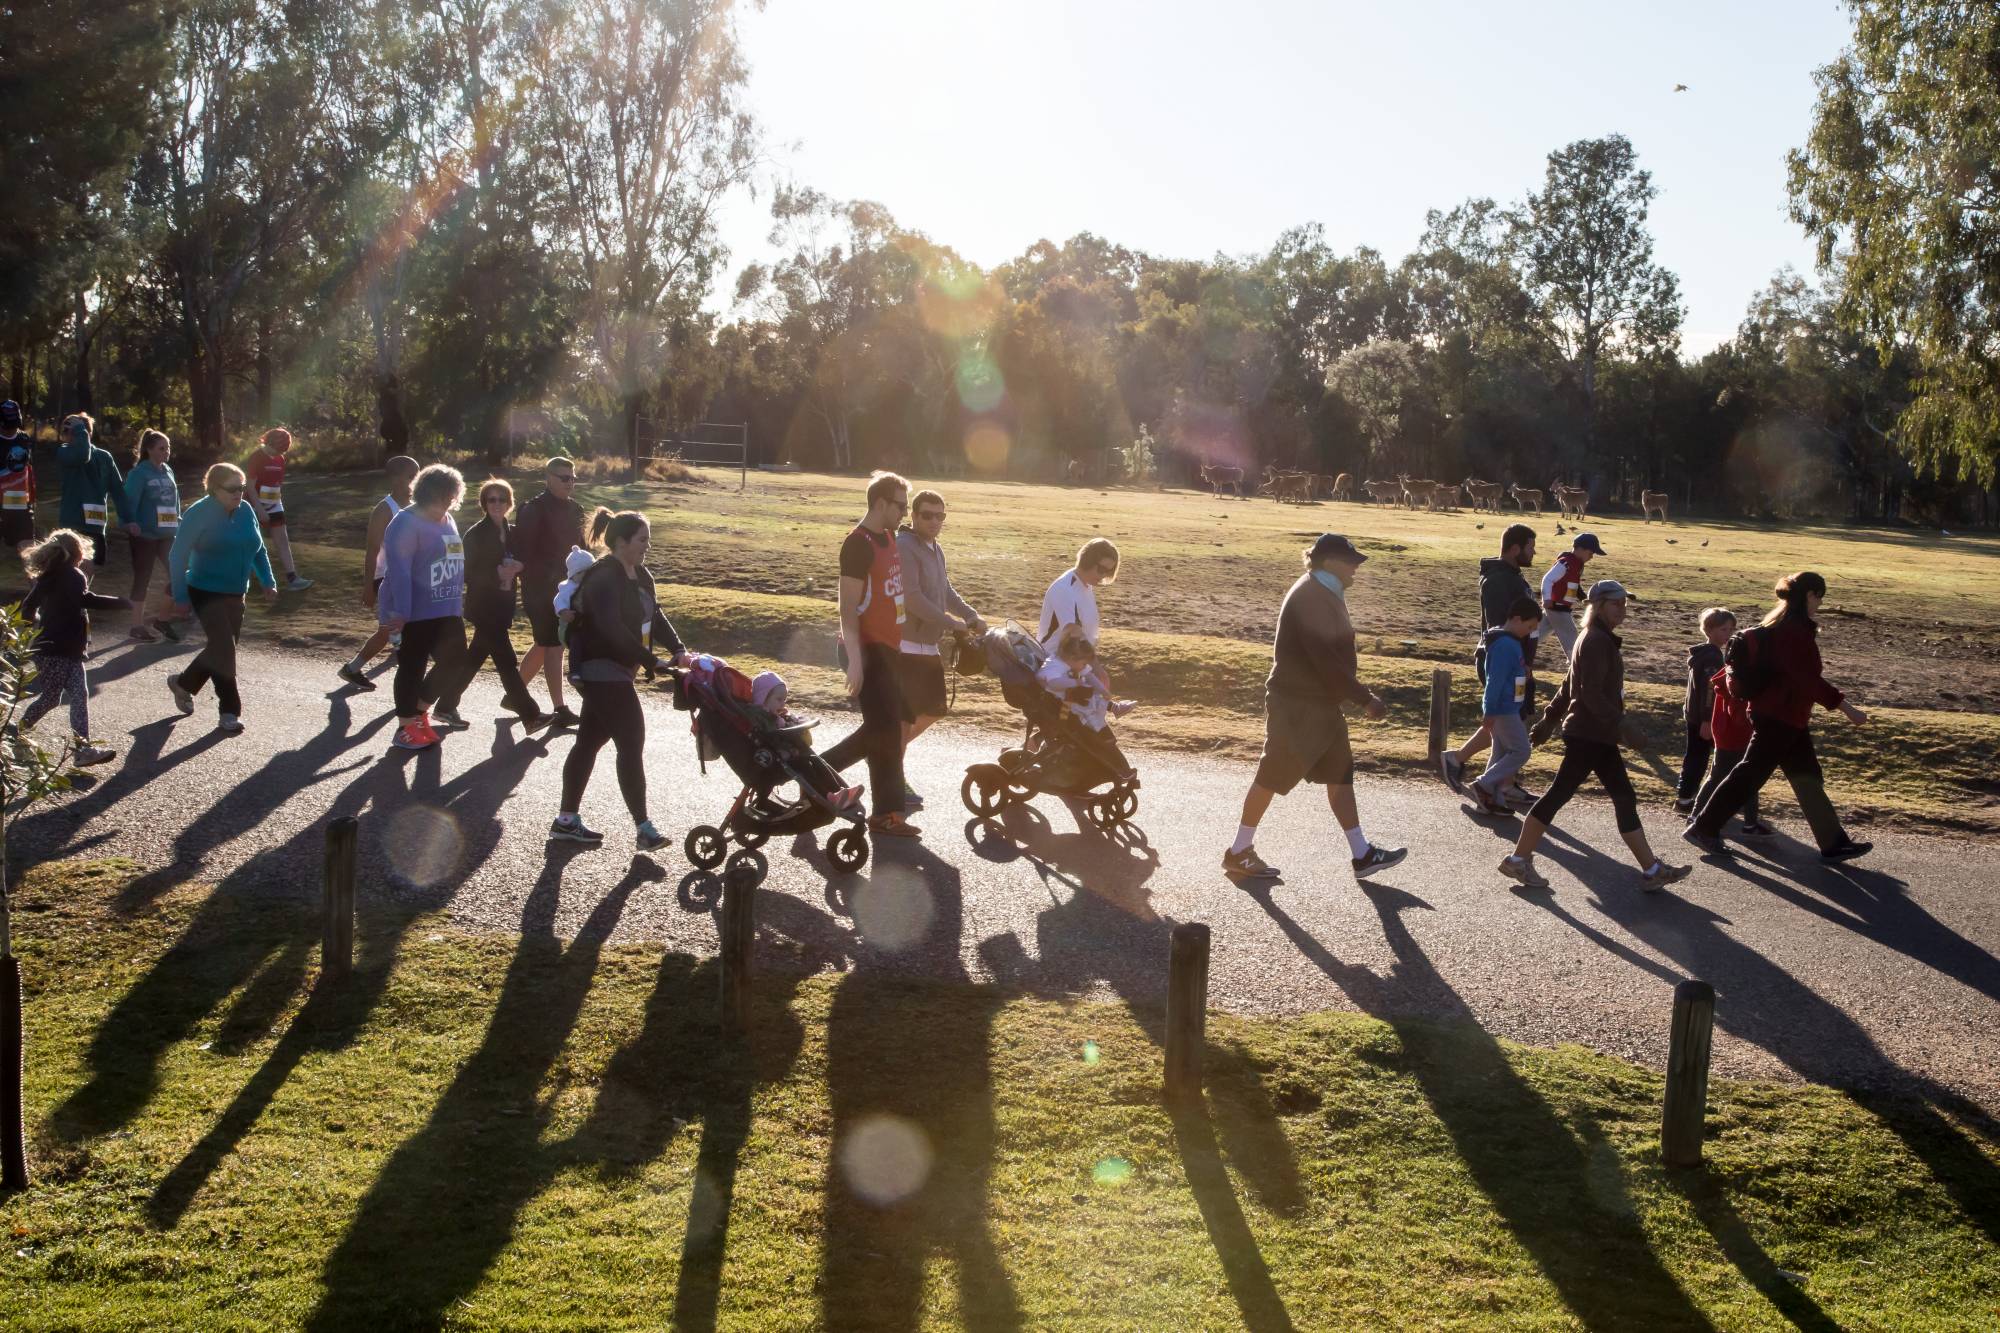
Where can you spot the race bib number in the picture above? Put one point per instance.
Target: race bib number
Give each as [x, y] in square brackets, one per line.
[273, 496]
[1520, 689]
[14, 499]
[893, 586]
[93, 516]
[646, 634]
[448, 571]
[168, 518]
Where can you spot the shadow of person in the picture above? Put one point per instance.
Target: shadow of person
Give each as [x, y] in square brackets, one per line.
[1560, 1195]
[1243, 1266]
[910, 1080]
[447, 1200]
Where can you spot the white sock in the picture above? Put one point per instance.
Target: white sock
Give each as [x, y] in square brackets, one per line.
[1654, 868]
[1357, 843]
[566, 817]
[1246, 834]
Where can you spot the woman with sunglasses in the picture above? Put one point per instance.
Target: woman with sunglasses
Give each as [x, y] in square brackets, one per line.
[490, 574]
[217, 551]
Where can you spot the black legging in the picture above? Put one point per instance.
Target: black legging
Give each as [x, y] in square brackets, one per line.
[491, 628]
[1582, 758]
[440, 641]
[1694, 763]
[611, 712]
[1773, 746]
[880, 735]
[221, 617]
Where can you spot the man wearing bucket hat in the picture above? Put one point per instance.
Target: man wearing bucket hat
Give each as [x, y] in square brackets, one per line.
[1590, 709]
[1560, 587]
[1313, 672]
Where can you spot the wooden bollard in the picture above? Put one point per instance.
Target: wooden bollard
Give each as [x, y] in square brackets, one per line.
[336, 955]
[1687, 1074]
[1440, 712]
[739, 934]
[13, 1059]
[1187, 1008]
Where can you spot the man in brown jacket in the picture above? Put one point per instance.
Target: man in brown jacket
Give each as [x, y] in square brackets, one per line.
[1313, 672]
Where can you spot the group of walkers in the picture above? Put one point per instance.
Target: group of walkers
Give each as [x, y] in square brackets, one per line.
[445, 602]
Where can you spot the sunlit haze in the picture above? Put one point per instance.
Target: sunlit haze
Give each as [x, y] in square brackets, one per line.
[1188, 129]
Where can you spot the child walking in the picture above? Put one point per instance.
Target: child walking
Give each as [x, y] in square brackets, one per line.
[1507, 686]
[1729, 723]
[1704, 660]
[61, 600]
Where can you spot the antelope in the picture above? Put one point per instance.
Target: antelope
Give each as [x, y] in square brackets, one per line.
[1218, 477]
[1343, 487]
[1283, 486]
[1413, 491]
[1651, 500]
[1075, 471]
[1573, 499]
[1383, 492]
[1525, 497]
[1483, 494]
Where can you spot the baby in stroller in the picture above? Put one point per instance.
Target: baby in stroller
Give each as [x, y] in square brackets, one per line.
[1072, 676]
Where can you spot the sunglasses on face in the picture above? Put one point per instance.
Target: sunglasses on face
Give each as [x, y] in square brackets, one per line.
[931, 516]
[232, 490]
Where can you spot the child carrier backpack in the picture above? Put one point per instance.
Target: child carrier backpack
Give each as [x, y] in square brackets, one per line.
[1747, 659]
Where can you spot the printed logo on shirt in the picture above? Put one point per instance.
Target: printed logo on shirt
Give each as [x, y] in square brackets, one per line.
[446, 573]
[893, 586]
[93, 516]
[14, 499]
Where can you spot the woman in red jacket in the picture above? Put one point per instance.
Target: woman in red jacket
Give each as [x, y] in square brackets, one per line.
[1780, 715]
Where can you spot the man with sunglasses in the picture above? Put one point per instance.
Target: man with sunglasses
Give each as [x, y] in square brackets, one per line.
[872, 617]
[544, 530]
[932, 608]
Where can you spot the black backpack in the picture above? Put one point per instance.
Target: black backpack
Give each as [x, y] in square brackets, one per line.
[1748, 661]
[1479, 653]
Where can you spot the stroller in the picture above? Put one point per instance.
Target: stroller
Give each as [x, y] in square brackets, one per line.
[1050, 759]
[766, 751]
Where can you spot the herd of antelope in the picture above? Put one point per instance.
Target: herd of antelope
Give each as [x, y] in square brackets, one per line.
[1303, 487]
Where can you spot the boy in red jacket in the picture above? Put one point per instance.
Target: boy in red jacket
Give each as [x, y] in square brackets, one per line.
[1729, 726]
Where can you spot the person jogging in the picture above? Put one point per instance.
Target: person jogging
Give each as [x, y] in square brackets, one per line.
[1313, 672]
[1590, 709]
[931, 608]
[153, 498]
[90, 477]
[1778, 669]
[872, 616]
[544, 531]
[617, 631]
[216, 553]
[402, 474]
[61, 601]
[490, 571]
[266, 470]
[1560, 588]
[17, 478]
[1072, 598]
[1501, 586]
[423, 595]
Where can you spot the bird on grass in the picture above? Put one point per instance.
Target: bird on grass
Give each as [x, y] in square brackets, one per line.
[1673, 541]
[1704, 541]
[1559, 529]
[1680, 87]
[1478, 525]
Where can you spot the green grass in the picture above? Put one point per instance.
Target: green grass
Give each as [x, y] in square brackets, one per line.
[1910, 625]
[487, 1133]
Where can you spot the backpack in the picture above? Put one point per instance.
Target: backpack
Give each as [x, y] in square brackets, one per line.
[1747, 659]
[1479, 653]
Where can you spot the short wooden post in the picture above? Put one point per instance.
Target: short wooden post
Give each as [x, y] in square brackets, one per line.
[1187, 1008]
[1440, 712]
[336, 955]
[13, 1063]
[1687, 1074]
[739, 933]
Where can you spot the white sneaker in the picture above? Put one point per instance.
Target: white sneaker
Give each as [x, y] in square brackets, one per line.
[229, 724]
[183, 697]
[89, 756]
[1522, 869]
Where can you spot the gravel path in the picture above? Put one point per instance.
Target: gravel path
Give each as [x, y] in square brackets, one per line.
[1879, 974]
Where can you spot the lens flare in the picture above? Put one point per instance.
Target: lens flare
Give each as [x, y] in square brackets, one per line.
[885, 1159]
[893, 908]
[1112, 1171]
[980, 385]
[1090, 1053]
[423, 844]
[986, 448]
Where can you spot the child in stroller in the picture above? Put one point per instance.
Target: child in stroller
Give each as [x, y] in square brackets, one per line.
[1061, 754]
[1072, 676]
[747, 724]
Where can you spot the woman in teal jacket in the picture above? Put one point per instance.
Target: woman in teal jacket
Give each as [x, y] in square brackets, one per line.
[215, 555]
[89, 476]
[153, 499]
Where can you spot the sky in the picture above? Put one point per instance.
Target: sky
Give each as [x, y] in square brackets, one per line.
[1188, 129]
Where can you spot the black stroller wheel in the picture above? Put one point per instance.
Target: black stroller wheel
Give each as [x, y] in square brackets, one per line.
[705, 846]
[1124, 803]
[751, 838]
[981, 797]
[848, 849]
[1015, 793]
[750, 859]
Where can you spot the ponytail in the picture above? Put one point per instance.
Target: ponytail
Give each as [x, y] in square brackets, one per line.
[608, 529]
[1792, 592]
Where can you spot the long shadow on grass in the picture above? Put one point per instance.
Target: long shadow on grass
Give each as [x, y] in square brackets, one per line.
[1544, 1182]
[913, 1123]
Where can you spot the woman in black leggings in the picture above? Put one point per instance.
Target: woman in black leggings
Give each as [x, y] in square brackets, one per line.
[615, 627]
[217, 553]
[1590, 707]
[490, 572]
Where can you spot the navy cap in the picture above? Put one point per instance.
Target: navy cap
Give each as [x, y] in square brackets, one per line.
[1587, 541]
[1332, 545]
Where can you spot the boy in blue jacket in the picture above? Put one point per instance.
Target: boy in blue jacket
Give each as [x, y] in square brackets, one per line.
[89, 477]
[1507, 685]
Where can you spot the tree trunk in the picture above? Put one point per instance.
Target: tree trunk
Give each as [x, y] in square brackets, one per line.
[634, 399]
[264, 368]
[205, 389]
[82, 339]
[389, 409]
[17, 378]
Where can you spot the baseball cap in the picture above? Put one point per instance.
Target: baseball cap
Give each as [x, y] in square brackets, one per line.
[1332, 544]
[1611, 588]
[1587, 541]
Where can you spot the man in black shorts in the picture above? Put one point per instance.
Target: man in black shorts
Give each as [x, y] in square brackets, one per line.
[1313, 672]
[931, 608]
[871, 631]
[544, 531]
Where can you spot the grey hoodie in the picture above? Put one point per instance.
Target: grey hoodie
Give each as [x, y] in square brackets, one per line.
[928, 597]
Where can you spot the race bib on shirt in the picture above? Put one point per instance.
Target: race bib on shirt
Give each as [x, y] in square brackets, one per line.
[93, 516]
[893, 586]
[271, 496]
[1520, 689]
[167, 517]
[646, 634]
[448, 570]
[14, 499]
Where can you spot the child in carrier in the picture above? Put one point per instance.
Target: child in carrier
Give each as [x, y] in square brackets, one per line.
[1072, 676]
[61, 599]
[575, 565]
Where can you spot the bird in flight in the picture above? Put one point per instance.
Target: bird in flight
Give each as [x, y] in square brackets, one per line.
[1680, 87]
